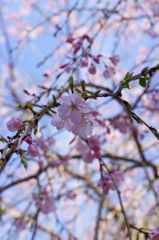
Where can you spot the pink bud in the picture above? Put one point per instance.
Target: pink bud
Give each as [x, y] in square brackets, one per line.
[14, 124]
[70, 39]
[67, 67]
[115, 59]
[84, 62]
[77, 47]
[108, 72]
[28, 139]
[92, 69]
[89, 39]
[96, 59]
[32, 150]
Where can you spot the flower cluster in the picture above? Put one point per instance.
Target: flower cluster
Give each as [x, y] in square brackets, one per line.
[108, 181]
[44, 201]
[34, 147]
[39, 145]
[91, 150]
[86, 60]
[75, 115]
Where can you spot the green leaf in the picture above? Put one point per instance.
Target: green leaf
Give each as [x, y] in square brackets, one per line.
[125, 84]
[83, 85]
[128, 105]
[29, 105]
[137, 119]
[24, 160]
[71, 83]
[20, 106]
[143, 80]
[84, 94]
[128, 76]
[2, 139]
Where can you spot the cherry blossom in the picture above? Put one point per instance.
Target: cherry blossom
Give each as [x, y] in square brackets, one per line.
[92, 69]
[122, 124]
[108, 72]
[28, 139]
[115, 59]
[73, 107]
[91, 150]
[68, 67]
[44, 201]
[108, 181]
[20, 224]
[84, 62]
[32, 150]
[41, 143]
[75, 115]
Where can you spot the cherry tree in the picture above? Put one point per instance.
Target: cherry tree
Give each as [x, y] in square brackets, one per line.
[79, 135]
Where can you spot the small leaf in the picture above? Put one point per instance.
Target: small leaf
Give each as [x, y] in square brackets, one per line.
[128, 76]
[127, 104]
[155, 132]
[125, 84]
[24, 160]
[142, 82]
[83, 85]
[71, 83]
[29, 105]
[20, 106]
[2, 139]
[137, 119]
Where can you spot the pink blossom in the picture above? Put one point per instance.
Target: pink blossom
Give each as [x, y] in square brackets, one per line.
[67, 67]
[75, 115]
[70, 39]
[106, 184]
[84, 128]
[115, 59]
[96, 59]
[41, 143]
[20, 224]
[14, 124]
[32, 150]
[108, 181]
[88, 156]
[77, 46]
[44, 201]
[56, 163]
[72, 107]
[94, 144]
[28, 139]
[58, 122]
[51, 141]
[92, 69]
[84, 62]
[151, 101]
[118, 176]
[91, 150]
[155, 235]
[108, 72]
[123, 124]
